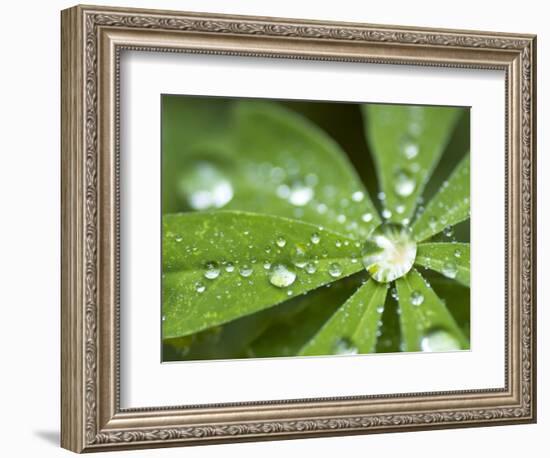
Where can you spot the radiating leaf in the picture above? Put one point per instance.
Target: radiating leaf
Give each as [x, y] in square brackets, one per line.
[449, 259]
[214, 265]
[353, 328]
[426, 324]
[289, 333]
[390, 333]
[449, 206]
[407, 143]
[298, 170]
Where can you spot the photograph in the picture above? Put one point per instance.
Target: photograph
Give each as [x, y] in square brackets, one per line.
[295, 228]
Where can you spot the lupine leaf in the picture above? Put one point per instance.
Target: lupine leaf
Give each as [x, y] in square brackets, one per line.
[407, 143]
[449, 259]
[354, 326]
[449, 206]
[194, 243]
[426, 324]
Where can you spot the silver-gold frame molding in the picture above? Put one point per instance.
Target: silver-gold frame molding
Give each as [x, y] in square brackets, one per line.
[92, 41]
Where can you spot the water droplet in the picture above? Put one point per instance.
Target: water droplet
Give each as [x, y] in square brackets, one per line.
[449, 270]
[311, 179]
[315, 238]
[389, 252]
[300, 194]
[178, 238]
[338, 243]
[283, 191]
[204, 186]
[448, 231]
[281, 242]
[299, 259]
[404, 183]
[341, 218]
[322, 208]
[381, 196]
[400, 209]
[417, 298]
[432, 222]
[281, 276]
[212, 271]
[229, 267]
[439, 340]
[394, 294]
[345, 346]
[310, 268]
[458, 253]
[409, 148]
[357, 196]
[380, 308]
[386, 213]
[199, 287]
[245, 270]
[335, 270]
[366, 217]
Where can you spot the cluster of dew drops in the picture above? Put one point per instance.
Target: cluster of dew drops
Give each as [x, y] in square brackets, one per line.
[279, 274]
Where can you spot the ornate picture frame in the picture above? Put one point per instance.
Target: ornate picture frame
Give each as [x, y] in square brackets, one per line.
[93, 39]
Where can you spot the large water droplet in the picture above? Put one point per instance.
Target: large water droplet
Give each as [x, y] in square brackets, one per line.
[335, 270]
[345, 346]
[404, 183]
[389, 252]
[281, 276]
[439, 340]
[212, 271]
[449, 270]
[417, 298]
[203, 185]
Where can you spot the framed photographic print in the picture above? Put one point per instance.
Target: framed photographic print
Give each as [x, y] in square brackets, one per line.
[278, 228]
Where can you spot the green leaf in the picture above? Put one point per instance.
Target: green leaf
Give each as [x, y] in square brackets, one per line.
[449, 259]
[208, 244]
[426, 324]
[353, 328]
[294, 169]
[450, 205]
[407, 143]
[390, 333]
[288, 334]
